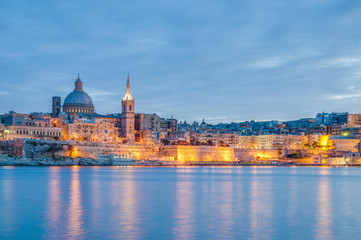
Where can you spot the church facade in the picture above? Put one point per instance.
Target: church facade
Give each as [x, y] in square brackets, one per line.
[78, 109]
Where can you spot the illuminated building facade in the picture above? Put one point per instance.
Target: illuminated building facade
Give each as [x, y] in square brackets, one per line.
[272, 141]
[90, 130]
[128, 115]
[12, 132]
[217, 139]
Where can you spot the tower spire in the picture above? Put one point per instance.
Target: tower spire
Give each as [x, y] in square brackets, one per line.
[128, 94]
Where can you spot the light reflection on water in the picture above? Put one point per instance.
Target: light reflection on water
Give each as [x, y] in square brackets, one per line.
[75, 228]
[324, 230]
[179, 203]
[261, 206]
[53, 205]
[123, 200]
[184, 207]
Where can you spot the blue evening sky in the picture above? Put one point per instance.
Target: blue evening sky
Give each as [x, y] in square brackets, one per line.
[219, 60]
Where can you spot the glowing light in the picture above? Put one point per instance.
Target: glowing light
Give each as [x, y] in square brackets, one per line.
[325, 143]
[74, 153]
[201, 154]
[324, 140]
[262, 156]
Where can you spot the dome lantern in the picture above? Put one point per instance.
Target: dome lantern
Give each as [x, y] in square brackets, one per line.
[78, 84]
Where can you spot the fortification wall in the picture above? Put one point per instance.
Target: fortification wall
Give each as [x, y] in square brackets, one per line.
[134, 151]
[200, 153]
[259, 154]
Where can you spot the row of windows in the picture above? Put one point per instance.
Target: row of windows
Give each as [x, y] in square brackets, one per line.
[80, 110]
[34, 124]
[38, 133]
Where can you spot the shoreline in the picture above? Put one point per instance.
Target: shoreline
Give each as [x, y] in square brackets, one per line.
[62, 161]
[185, 166]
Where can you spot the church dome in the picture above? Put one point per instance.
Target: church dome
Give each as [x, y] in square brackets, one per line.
[78, 98]
[78, 101]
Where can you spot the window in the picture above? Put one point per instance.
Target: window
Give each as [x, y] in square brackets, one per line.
[130, 108]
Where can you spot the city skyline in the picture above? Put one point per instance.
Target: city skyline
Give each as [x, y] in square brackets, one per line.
[269, 61]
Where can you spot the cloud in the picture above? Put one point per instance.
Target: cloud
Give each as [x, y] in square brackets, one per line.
[229, 60]
[3, 93]
[346, 96]
[101, 93]
[271, 62]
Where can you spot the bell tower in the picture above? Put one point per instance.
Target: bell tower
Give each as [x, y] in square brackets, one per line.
[56, 107]
[128, 116]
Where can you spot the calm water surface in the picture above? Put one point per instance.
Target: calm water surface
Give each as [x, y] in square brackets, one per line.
[180, 203]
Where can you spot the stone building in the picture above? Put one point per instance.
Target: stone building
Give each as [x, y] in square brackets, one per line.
[217, 139]
[12, 132]
[147, 126]
[353, 120]
[272, 141]
[170, 126]
[33, 119]
[90, 130]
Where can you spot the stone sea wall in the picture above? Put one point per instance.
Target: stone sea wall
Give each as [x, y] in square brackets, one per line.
[199, 153]
[92, 150]
[49, 152]
[37, 161]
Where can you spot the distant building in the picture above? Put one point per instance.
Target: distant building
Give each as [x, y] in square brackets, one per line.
[214, 138]
[33, 119]
[353, 120]
[146, 125]
[272, 141]
[344, 118]
[169, 126]
[13, 118]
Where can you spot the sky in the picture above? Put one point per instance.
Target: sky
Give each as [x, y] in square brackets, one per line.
[224, 61]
